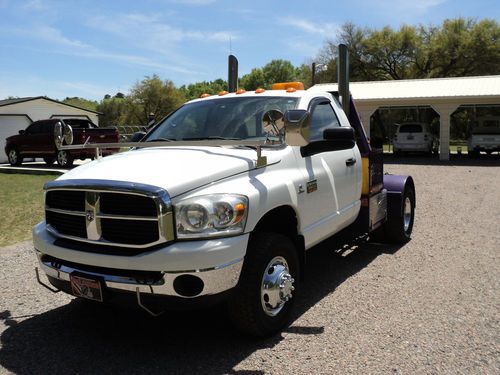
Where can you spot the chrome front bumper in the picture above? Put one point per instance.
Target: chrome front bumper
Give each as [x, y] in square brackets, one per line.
[215, 280]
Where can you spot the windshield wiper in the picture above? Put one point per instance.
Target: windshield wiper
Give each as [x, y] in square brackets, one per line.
[161, 140]
[212, 137]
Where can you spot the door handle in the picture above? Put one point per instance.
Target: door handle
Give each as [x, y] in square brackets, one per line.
[350, 161]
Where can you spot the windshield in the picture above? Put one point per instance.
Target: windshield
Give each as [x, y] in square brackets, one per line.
[79, 123]
[410, 128]
[231, 118]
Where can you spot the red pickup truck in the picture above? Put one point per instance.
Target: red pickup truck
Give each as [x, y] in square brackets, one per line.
[37, 141]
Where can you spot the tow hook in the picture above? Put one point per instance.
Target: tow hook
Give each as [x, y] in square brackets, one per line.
[138, 294]
[53, 290]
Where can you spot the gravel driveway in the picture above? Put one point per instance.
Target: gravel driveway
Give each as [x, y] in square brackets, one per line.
[429, 307]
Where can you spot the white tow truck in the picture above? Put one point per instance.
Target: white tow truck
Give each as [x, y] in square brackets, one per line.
[220, 201]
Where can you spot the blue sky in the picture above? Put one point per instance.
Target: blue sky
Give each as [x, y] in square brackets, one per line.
[90, 48]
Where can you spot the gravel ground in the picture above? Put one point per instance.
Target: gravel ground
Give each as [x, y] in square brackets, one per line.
[429, 307]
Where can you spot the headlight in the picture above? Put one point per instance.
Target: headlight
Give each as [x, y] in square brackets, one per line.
[211, 216]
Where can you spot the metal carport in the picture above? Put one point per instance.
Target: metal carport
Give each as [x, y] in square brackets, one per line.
[444, 95]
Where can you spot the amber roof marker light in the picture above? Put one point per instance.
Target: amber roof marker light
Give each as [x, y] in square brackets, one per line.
[288, 85]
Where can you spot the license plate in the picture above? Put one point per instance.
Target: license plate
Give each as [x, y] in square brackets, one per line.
[410, 137]
[86, 288]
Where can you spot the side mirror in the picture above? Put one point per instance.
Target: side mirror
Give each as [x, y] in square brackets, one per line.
[334, 139]
[297, 127]
[22, 132]
[273, 122]
[137, 136]
[339, 133]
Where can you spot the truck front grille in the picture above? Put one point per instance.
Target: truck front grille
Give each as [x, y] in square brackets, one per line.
[110, 213]
[134, 232]
[71, 225]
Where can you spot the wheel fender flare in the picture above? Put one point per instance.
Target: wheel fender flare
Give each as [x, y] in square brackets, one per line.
[395, 186]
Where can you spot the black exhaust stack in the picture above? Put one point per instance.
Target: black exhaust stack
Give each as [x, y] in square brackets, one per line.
[343, 77]
[232, 74]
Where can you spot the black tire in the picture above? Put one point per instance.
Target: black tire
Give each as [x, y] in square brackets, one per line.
[247, 307]
[64, 159]
[473, 154]
[399, 225]
[49, 160]
[14, 157]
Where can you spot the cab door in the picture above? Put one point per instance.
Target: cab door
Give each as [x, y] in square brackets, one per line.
[31, 142]
[330, 197]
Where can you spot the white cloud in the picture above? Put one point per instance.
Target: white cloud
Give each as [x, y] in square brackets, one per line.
[53, 35]
[73, 47]
[150, 30]
[34, 5]
[318, 28]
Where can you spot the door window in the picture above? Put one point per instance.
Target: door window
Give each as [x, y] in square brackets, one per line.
[35, 128]
[47, 127]
[323, 117]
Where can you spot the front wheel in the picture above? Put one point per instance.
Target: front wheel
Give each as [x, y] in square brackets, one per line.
[262, 303]
[14, 157]
[64, 159]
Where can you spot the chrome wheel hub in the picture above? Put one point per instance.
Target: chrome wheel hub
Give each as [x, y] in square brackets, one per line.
[12, 156]
[62, 158]
[407, 214]
[277, 286]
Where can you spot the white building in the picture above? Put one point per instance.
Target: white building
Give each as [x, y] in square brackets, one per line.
[17, 114]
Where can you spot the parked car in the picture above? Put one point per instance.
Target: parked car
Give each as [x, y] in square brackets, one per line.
[37, 141]
[414, 137]
[485, 137]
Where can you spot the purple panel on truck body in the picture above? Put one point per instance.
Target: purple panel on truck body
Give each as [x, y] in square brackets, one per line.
[395, 184]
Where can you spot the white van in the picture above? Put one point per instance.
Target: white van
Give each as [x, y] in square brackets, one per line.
[414, 137]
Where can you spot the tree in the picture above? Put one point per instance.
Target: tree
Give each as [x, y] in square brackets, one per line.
[278, 71]
[113, 111]
[81, 102]
[273, 72]
[459, 47]
[194, 90]
[152, 97]
[389, 54]
[253, 80]
[464, 47]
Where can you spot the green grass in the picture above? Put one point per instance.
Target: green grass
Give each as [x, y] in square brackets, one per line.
[21, 206]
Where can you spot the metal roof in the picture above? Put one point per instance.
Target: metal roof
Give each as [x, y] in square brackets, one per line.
[17, 100]
[462, 87]
[29, 98]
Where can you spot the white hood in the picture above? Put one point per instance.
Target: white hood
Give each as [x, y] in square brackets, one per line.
[176, 169]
